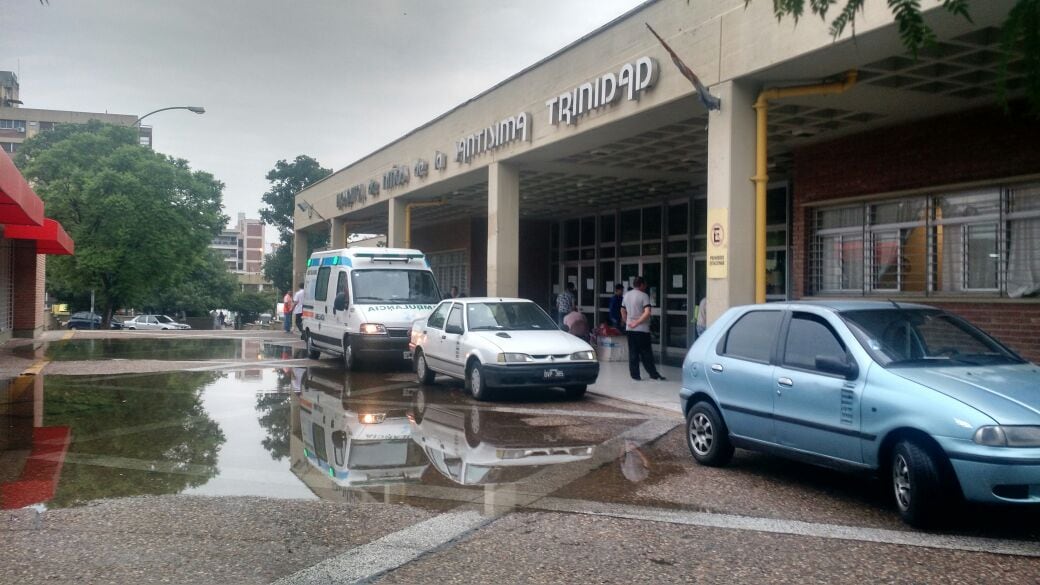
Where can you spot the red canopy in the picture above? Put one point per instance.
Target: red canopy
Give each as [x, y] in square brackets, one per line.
[50, 237]
[18, 204]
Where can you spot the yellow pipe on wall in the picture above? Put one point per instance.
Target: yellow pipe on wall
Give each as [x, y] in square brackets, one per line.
[408, 218]
[761, 177]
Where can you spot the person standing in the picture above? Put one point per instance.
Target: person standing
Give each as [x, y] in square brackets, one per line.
[298, 309]
[615, 307]
[287, 311]
[635, 310]
[566, 302]
[454, 294]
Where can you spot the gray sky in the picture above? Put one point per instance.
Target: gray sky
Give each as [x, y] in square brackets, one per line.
[333, 79]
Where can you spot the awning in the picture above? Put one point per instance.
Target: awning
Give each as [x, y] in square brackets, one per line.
[18, 204]
[50, 237]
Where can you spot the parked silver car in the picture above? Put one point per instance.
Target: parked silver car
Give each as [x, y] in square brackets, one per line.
[154, 322]
[503, 343]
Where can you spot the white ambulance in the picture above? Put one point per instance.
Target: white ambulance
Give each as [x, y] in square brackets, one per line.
[359, 303]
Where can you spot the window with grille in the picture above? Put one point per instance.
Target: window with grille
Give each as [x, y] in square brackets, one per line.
[451, 268]
[979, 241]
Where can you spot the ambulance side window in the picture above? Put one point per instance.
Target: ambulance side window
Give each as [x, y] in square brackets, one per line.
[321, 286]
[341, 285]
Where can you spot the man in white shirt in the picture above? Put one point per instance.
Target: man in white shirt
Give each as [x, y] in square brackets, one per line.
[635, 311]
[298, 309]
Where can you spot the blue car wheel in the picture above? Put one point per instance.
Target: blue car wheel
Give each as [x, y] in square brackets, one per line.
[707, 436]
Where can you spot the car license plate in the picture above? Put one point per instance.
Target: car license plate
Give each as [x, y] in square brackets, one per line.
[552, 374]
[407, 355]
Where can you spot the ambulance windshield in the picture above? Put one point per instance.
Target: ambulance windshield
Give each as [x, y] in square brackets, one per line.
[385, 286]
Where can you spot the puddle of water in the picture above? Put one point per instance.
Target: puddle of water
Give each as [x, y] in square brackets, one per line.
[192, 349]
[287, 433]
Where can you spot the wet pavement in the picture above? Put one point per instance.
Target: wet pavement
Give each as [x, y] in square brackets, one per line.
[229, 457]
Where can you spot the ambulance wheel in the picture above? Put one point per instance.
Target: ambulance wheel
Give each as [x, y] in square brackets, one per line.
[312, 352]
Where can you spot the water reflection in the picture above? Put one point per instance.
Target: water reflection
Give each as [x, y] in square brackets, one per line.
[131, 348]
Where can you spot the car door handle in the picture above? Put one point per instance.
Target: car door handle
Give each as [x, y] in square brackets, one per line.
[785, 382]
[444, 336]
[716, 368]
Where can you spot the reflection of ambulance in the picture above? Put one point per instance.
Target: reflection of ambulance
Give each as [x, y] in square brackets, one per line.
[478, 447]
[357, 441]
[361, 302]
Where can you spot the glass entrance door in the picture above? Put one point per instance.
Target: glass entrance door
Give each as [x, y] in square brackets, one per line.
[650, 270]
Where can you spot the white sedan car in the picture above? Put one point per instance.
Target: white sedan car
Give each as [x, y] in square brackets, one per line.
[154, 322]
[500, 343]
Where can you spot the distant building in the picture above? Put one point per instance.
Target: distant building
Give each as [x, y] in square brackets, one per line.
[18, 124]
[242, 248]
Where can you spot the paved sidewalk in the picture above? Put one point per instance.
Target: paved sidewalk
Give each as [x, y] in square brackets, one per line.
[615, 382]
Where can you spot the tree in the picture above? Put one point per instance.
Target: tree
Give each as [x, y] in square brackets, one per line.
[249, 304]
[141, 220]
[207, 284]
[1020, 35]
[287, 179]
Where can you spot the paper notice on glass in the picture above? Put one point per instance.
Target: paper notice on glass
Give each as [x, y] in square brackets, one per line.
[590, 284]
[677, 280]
[610, 286]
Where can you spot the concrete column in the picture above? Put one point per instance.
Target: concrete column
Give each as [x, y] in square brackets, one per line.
[300, 256]
[395, 233]
[503, 251]
[731, 164]
[338, 235]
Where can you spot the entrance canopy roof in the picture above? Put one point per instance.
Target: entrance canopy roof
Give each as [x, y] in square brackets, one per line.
[18, 204]
[50, 237]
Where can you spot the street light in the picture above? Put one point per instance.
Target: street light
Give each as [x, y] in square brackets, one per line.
[311, 211]
[195, 109]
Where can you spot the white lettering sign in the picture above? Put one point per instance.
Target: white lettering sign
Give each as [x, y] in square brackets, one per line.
[635, 77]
[495, 136]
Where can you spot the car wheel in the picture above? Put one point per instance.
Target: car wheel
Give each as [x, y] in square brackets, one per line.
[707, 437]
[312, 352]
[917, 483]
[475, 382]
[350, 361]
[576, 391]
[423, 374]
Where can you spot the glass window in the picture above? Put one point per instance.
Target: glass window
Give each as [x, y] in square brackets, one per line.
[810, 337]
[678, 219]
[776, 273]
[588, 231]
[700, 217]
[752, 336]
[455, 317]
[436, 319]
[651, 223]
[776, 206]
[981, 266]
[840, 217]
[677, 275]
[841, 262]
[321, 285]
[606, 228]
[630, 225]
[341, 282]
[1023, 242]
[570, 233]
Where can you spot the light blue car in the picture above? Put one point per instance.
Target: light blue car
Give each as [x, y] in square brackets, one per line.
[909, 392]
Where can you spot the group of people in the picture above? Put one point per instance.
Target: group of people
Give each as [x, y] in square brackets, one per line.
[630, 312]
[292, 309]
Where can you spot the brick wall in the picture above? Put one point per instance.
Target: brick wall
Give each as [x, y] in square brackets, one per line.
[978, 145]
[28, 274]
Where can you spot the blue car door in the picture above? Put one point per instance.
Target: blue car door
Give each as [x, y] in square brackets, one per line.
[816, 409]
[741, 374]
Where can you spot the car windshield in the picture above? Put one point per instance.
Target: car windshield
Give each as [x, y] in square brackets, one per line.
[394, 287]
[509, 316]
[924, 337]
[165, 319]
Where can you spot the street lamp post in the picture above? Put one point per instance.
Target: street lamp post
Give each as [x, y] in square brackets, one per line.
[195, 109]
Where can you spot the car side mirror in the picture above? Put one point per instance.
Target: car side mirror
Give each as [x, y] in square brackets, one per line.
[453, 329]
[845, 367]
[340, 304]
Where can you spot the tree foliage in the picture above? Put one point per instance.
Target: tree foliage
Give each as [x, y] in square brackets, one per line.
[142, 221]
[1020, 34]
[287, 179]
[249, 304]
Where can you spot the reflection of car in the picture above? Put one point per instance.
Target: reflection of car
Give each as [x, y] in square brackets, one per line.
[88, 320]
[911, 392]
[491, 342]
[474, 447]
[357, 441]
[154, 322]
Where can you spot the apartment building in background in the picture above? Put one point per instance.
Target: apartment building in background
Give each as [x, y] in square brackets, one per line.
[242, 248]
[18, 124]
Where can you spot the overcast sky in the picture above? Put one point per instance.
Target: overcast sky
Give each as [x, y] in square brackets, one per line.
[333, 79]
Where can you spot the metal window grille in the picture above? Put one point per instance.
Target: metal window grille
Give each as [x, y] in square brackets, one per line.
[980, 241]
[6, 288]
[450, 268]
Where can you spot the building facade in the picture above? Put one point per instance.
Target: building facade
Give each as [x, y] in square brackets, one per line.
[18, 124]
[242, 249]
[879, 174]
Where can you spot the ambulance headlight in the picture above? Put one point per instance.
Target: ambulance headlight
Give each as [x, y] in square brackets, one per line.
[372, 329]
